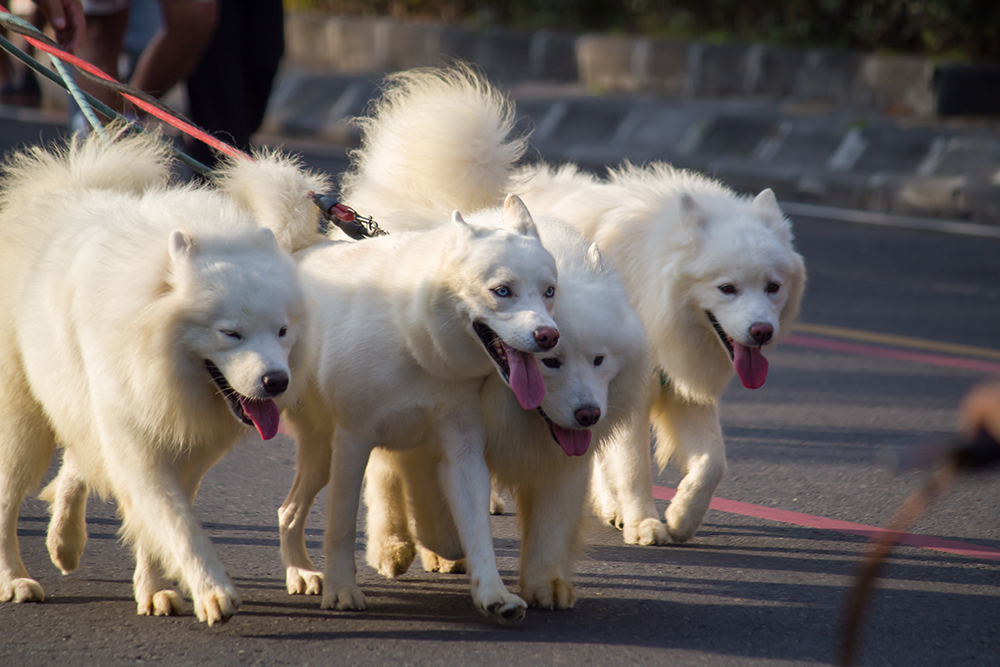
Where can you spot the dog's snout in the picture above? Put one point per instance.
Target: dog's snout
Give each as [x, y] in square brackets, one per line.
[588, 415]
[761, 332]
[546, 337]
[275, 382]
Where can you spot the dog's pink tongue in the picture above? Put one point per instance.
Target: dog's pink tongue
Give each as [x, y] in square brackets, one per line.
[750, 365]
[264, 415]
[574, 441]
[525, 379]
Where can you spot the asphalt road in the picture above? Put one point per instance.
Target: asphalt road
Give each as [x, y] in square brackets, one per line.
[746, 591]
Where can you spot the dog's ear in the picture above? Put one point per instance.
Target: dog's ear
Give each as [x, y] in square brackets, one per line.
[692, 214]
[796, 284]
[766, 205]
[517, 217]
[594, 260]
[265, 239]
[181, 245]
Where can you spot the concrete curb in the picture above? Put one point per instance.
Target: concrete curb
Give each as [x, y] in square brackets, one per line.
[901, 85]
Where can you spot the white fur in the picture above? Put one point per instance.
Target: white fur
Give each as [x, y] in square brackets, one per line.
[117, 287]
[676, 237]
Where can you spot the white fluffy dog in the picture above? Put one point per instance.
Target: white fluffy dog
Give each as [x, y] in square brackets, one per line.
[714, 278]
[146, 327]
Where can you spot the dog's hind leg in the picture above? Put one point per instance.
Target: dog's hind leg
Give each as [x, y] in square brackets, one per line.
[26, 445]
[390, 545]
[551, 511]
[690, 434]
[67, 498]
[627, 473]
[312, 472]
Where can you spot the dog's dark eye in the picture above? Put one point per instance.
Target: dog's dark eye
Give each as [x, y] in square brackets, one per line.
[727, 289]
[550, 292]
[772, 288]
[598, 361]
[502, 291]
[282, 331]
[552, 362]
[229, 333]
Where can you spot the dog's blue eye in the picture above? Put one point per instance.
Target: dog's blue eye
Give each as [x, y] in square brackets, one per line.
[229, 333]
[282, 331]
[727, 289]
[503, 290]
[598, 361]
[550, 292]
[772, 288]
[552, 362]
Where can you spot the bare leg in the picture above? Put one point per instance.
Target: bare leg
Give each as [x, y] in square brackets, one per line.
[177, 47]
[101, 46]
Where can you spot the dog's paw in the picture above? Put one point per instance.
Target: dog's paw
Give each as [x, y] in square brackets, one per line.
[434, 563]
[65, 543]
[217, 605]
[300, 581]
[346, 598]
[393, 558]
[681, 525]
[647, 532]
[554, 594]
[505, 607]
[497, 504]
[160, 603]
[21, 590]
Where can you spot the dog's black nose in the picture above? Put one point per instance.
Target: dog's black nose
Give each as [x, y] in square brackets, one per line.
[588, 415]
[761, 332]
[275, 382]
[546, 337]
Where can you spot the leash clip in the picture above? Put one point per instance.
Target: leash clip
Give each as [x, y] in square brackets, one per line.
[355, 225]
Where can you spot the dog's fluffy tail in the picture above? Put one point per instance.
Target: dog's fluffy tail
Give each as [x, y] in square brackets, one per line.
[129, 162]
[276, 190]
[437, 140]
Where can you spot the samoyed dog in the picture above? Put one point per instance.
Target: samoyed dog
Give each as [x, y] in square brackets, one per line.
[715, 278]
[147, 327]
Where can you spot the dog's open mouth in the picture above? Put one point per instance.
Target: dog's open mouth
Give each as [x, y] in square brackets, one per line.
[518, 369]
[574, 441]
[749, 362]
[261, 414]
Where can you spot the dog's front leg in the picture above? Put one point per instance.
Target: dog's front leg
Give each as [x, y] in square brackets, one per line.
[159, 519]
[551, 508]
[312, 472]
[466, 481]
[690, 434]
[625, 471]
[347, 471]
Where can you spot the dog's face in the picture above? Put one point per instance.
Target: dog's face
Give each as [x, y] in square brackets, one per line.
[746, 282]
[244, 315]
[600, 336]
[506, 282]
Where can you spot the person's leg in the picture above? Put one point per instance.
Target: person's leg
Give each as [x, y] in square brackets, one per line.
[177, 47]
[102, 43]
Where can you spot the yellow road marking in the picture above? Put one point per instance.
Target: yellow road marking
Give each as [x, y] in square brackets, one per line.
[898, 341]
